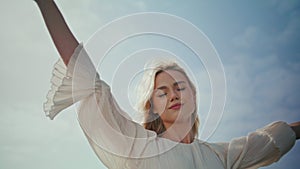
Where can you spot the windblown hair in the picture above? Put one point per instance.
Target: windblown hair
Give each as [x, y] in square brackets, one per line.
[152, 121]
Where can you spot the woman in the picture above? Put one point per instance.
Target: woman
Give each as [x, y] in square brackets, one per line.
[168, 137]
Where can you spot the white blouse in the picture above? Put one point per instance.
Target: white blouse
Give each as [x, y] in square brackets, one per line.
[121, 143]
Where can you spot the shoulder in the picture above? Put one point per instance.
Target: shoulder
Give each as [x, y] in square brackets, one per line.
[220, 148]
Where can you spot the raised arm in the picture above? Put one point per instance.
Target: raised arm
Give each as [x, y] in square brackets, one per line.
[61, 35]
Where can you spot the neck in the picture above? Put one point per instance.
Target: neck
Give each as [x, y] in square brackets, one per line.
[179, 131]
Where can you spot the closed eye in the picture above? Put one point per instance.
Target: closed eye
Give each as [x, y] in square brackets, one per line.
[181, 89]
[161, 95]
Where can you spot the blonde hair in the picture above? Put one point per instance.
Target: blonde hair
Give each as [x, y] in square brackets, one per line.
[152, 121]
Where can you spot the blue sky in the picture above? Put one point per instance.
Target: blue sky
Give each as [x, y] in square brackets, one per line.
[258, 43]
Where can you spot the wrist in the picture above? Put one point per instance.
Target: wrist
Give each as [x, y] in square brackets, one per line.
[42, 1]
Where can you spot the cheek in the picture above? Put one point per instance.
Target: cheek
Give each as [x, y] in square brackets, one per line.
[159, 105]
[190, 100]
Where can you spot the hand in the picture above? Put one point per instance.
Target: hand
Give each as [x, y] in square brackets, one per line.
[296, 127]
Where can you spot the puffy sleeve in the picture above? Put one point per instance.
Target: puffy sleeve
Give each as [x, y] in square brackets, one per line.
[260, 148]
[109, 130]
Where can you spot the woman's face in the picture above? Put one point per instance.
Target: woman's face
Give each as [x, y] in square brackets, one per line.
[173, 98]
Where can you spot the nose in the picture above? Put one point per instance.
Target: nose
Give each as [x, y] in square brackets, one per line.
[174, 95]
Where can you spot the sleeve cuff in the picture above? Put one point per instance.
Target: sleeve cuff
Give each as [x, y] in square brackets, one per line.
[282, 134]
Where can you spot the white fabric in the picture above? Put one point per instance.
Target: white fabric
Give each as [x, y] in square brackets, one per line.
[121, 143]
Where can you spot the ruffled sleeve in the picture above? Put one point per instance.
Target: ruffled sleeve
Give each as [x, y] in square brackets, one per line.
[260, 148]
[60, 96]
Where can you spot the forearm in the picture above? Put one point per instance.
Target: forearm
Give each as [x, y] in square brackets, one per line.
[296, 127]
[61, 35]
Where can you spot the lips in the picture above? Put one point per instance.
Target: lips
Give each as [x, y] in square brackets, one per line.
[175, 106]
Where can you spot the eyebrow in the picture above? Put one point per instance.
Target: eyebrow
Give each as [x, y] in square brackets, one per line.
[174, 84]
